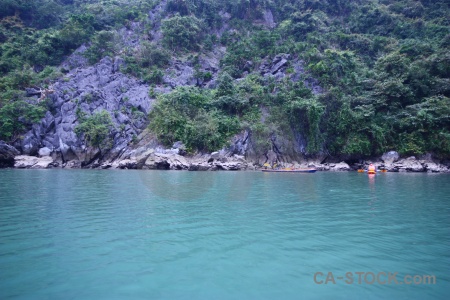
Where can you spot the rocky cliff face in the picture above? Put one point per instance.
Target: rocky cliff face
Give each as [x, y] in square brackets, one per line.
[86, 91]
[290, 147]
[89, 89]
[103, 87]
[7, 154]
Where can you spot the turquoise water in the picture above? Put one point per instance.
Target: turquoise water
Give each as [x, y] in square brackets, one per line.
[85, 234]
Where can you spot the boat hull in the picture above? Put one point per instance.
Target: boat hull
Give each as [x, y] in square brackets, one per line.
[291, 171]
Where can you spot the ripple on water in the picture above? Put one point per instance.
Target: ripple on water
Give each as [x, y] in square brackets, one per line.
[223, 235]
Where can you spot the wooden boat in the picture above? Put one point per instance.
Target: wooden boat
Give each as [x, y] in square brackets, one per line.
[290, 170]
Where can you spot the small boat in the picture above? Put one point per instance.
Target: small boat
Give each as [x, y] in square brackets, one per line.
[290, 170]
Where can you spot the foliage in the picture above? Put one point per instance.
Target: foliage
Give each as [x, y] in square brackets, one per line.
[102, 44]
[304, 112]
[150, 54]
[182, 32]
[96, 129]
[37, 13]
[17, 116]
[154, 77]
[186, 115]
[382, 67]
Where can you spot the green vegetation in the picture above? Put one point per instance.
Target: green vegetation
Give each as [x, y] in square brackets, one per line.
[95, 129]
[18, 115]
[189, 115]
[146, 62]
[102, 44]
[382, 66]
[36, 35]
[182, 33]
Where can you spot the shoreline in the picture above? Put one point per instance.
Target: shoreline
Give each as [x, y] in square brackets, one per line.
[236, 171]
[157, 158]
[161, 161]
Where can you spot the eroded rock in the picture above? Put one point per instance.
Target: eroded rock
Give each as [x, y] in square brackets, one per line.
[89, 90]
[390, 157]
[432, 167]
[45, 151]
[7, 154]
[410, 164]
[342, 166]
[44, 163]
[72, 164]
[162, 161]
[33, 162]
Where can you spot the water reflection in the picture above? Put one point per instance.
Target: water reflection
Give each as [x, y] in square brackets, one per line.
[108, 233]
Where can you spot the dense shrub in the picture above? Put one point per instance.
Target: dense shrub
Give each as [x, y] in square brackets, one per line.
[96, 129]
[17, 116]
[186, 115]
[382, 67]
[182, 32]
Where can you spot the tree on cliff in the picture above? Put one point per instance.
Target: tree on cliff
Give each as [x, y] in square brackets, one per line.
[96, 129]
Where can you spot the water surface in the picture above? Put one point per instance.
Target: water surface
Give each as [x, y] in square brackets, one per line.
[85, 234]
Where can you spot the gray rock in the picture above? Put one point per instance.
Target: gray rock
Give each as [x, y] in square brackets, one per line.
[106, 165]
[240, 158]
[127, 164]
[390, 157]
[432, 167]
[426, 157]
[342, 166]
[43, 163]
[268, 19]
[231, 165]
[300, 74]
[178, 162]
[88, 90]
[118, 63]
[166, 162]
[200, 166]
[178, 145]
[25, 161]
[410, 164]
[239, 145]
[76, 59]
[72, 164]
[212, 84]
[169, 151]
[278, 66]
[180, 74]
[264, 68]
[279, 75]
[216, 155]
[141, 157]
[7, 154]
[44, 152]
[33, 162]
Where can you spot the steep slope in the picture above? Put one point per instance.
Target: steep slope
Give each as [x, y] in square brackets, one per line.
[271, 80]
